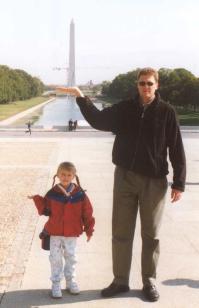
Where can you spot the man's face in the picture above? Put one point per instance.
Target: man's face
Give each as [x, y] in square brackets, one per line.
[147, 85]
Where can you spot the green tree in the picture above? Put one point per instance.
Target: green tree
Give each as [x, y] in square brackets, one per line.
[178, 86]
[18, 85]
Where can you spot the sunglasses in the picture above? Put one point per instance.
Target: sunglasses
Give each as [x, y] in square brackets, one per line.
[147, 83]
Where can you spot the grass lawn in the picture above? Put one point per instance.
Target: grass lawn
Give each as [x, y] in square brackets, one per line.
[8, 110]
[188, 118]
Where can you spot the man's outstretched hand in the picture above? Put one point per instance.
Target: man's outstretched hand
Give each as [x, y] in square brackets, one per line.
[75, 91]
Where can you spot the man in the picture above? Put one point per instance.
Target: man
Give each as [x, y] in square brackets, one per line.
[29, 127]
[145, 128]
[75, 125]
[70, 125]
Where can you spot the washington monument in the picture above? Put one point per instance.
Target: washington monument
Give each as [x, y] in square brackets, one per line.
[71, 69]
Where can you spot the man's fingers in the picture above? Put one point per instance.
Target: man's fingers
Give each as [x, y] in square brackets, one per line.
[66, 90]
[71, 90]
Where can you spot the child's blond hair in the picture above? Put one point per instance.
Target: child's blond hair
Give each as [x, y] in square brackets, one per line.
[69, 167]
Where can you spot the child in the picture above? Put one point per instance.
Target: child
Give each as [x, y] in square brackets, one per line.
[70, 213]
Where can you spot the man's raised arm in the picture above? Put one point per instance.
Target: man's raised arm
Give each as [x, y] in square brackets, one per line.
[106, 119]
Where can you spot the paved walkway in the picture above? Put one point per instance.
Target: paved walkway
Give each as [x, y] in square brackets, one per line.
[30, 164]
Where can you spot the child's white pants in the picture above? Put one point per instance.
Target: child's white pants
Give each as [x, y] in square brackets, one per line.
[60, 247]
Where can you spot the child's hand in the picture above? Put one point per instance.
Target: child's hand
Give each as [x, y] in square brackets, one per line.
[30, 197]
[88, 238]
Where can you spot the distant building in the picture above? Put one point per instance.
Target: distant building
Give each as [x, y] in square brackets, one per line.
[90, 83]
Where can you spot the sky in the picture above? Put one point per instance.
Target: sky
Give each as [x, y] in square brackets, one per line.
[111, 37]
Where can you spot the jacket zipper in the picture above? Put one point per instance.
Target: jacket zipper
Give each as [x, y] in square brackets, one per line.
[138, 139]
[67, 194]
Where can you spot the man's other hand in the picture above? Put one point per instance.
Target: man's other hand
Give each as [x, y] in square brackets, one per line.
[175, 195]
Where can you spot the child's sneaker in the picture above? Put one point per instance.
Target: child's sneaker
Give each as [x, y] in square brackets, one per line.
[72, 287]
[56, 290]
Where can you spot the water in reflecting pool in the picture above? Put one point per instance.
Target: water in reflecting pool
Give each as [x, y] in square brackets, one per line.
[56, 113]
[59, 112]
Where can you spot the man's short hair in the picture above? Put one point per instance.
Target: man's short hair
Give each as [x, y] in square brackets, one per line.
[148, 71]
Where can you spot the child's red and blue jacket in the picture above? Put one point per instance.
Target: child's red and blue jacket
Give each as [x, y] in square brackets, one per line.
[69, 216]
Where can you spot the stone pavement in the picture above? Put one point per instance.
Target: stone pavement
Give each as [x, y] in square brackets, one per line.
[27, 166]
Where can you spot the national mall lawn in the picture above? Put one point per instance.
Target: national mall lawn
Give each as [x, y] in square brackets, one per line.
[188, 118]
[8, 110]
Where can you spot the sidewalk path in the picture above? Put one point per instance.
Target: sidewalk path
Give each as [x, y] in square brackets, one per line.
[30, 165]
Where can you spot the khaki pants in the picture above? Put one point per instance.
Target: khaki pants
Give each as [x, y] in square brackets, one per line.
[133, 191]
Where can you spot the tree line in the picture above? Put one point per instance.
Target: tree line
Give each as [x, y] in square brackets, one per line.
[177, 86]
[16, 84]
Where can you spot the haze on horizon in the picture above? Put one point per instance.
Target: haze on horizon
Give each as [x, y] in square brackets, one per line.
[112, 37]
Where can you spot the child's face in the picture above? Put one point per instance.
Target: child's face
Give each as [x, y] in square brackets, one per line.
[65, 177]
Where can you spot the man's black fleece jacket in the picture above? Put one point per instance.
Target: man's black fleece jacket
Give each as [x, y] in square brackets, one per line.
[143, 136]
